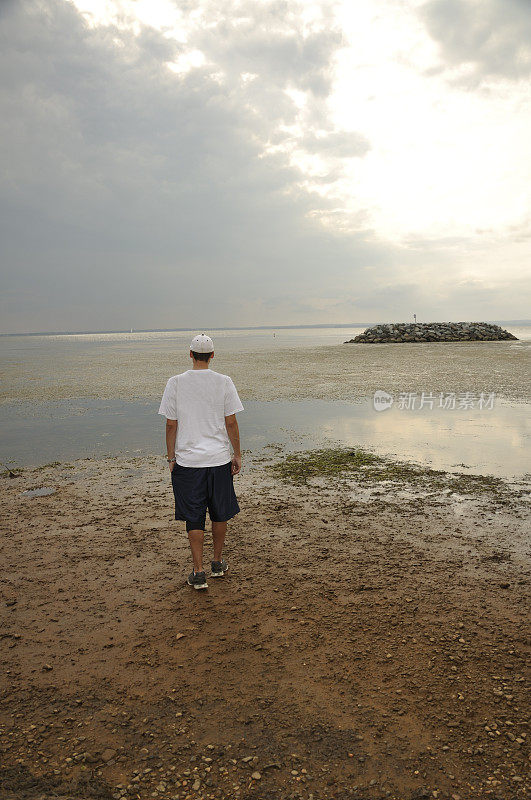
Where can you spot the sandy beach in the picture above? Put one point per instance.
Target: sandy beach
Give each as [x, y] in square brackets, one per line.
[368, 640]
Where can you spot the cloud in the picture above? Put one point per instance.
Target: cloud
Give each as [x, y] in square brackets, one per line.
[480, 39]
[338, 144]
[124, 181]
[144, 186]
[272, 40]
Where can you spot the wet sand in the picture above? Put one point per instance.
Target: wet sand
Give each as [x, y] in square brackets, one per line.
[368, 640]
[348, 372]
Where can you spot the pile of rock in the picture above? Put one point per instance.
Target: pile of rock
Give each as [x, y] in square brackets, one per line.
[433, 332]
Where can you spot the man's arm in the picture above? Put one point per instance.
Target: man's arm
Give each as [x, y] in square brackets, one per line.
[171, 435]
[234, 435]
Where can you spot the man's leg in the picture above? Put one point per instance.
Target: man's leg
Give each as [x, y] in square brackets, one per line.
[219, 529]
[196, 539]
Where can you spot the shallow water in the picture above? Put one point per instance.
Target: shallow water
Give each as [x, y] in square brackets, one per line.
[76, 395]
[489, 441]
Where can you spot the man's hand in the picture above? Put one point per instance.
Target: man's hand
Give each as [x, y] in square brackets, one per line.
[171, 465]
[236, 465]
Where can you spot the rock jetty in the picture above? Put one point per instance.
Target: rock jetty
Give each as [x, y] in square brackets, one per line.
[432, 332]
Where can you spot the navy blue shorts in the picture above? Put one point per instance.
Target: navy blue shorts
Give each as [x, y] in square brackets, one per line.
[198, 488]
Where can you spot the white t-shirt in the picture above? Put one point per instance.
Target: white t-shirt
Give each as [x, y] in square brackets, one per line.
[200, 399]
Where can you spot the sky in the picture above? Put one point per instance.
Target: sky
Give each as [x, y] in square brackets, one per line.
[209, 163]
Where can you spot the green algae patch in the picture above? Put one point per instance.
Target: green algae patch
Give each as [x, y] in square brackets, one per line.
[369, 469]
[476, 484]
[336, 462]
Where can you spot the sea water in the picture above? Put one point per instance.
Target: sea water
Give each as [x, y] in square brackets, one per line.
[58, 401]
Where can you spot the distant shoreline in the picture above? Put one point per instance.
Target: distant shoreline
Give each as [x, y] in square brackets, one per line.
[246, 328]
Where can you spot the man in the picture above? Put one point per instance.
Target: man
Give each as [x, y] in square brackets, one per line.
[200, 407]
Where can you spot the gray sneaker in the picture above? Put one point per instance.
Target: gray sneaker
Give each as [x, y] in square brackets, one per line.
[197, 580]
[218, 568]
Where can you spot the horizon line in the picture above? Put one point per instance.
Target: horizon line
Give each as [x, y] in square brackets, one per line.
[248, 327]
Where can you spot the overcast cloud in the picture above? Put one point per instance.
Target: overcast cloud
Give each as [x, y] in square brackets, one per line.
[147, 186]
[487, 38]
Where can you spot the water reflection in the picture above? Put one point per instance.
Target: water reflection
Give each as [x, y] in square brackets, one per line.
[489, 441]
[485, 441]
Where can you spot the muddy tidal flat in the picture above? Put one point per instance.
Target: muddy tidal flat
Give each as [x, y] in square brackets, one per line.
[368, 640]
[126, 368]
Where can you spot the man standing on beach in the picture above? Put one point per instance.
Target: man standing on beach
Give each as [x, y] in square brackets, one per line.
[200, 407]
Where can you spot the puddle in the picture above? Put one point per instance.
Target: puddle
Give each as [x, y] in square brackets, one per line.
[42, 492]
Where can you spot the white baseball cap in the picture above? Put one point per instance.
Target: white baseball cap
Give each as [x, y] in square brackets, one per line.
[202, 344]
